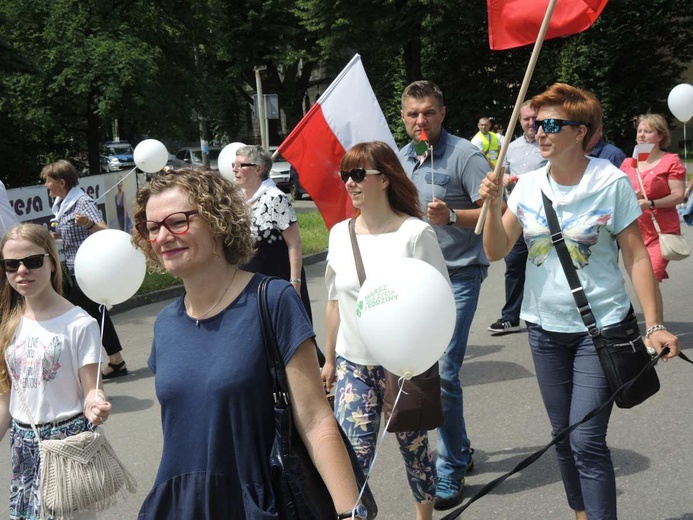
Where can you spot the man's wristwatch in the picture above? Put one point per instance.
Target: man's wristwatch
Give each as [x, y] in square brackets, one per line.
[452, 218]
[359, 513]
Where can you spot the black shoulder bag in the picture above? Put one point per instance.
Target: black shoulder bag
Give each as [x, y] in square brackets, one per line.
[620, 347]
[299, 491]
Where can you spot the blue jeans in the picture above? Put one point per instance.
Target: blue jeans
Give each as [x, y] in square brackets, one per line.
[453, 443]
[515, 265]
[572, 383]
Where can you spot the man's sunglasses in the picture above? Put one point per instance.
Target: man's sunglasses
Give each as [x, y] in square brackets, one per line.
[177, 223]
[357, 174]
[11, 265]
[553, 125]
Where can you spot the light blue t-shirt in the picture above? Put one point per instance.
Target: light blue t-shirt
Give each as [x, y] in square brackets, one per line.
[591, 214]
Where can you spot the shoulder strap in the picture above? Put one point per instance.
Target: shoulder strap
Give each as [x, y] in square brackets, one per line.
[644, 194]
[360, 270]
[567, 263]
[280, 386]
[22, 399]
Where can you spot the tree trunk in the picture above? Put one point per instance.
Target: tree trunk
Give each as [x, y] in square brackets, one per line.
[93, 134]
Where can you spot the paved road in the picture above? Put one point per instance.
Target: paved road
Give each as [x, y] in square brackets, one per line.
[650, 444]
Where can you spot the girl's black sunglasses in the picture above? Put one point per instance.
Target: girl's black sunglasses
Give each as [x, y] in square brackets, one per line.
[11, 265]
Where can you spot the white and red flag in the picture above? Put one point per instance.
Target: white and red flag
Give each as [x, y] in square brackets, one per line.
[347, 113]
[641, 152]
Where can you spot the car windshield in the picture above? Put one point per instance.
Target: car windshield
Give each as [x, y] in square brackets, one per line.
[213, 155]
[121, 149]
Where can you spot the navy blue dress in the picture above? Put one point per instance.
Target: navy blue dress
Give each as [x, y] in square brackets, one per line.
[216, 407]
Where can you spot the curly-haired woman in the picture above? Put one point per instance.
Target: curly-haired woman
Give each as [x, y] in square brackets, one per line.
[208, 357]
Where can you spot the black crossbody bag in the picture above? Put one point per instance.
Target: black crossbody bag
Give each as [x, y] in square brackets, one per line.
[299, 491]
[620, 347]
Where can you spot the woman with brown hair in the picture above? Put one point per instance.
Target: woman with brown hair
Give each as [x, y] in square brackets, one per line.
[76, 218]
[388, 226]
[208, 357]
[598, 213]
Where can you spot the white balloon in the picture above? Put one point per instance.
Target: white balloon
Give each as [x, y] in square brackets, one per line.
[227, 157]
[150, 155]
[680, 102]
[108, 268]
[406, 315]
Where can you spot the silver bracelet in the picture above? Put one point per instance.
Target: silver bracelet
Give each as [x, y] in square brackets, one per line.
[295, 280]
[654, 328]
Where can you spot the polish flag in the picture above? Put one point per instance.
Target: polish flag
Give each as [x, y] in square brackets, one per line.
[641, 152]
[514, 23]
[347, 113]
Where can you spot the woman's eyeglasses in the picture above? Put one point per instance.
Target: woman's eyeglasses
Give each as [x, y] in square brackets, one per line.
[357, 174]
[11, 265]
[176, 223]
[553, 125]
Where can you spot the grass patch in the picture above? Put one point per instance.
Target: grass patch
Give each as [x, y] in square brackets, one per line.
[314, 237]
[155, 281]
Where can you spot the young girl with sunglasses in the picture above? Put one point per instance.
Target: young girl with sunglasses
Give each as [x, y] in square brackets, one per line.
[388, 226]
[50, 353]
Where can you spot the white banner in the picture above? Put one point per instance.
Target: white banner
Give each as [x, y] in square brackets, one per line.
[32, 203]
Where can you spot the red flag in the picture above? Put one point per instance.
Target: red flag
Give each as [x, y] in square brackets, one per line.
[347, 113]
[514, 23]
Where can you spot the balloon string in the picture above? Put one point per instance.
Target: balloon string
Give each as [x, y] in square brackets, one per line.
[400, 383]
[102, 308]
[115, 185]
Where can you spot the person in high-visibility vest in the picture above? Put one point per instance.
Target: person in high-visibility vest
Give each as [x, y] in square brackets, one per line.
[487, 141]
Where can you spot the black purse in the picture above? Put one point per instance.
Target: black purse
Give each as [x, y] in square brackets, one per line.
[299, 491]
[620, 347]
[419, 407]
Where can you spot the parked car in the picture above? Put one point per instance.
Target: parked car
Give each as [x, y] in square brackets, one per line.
[115, 156]
[191, 156]
[280, 171]
[296, 190]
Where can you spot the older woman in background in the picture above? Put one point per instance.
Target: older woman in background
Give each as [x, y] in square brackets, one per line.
[664, 177]
[76, 218]
[274, 223]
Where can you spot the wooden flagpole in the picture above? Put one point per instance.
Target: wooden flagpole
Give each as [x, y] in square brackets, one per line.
[518, 105]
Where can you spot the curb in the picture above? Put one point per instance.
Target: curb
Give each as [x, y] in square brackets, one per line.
[177, 290]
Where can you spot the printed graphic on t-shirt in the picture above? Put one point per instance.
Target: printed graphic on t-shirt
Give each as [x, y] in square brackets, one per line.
[580, 234]
[34, 363]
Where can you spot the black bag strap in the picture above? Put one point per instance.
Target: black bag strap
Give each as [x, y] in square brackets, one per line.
[588, 318]
[280, 385]
[360, 270]
[567, 263]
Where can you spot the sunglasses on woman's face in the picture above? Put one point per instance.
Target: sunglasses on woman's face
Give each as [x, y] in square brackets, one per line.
[357, 174]
[11, 265]
[553, 125]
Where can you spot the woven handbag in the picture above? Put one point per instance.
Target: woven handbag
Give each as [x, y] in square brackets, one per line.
[78, 473]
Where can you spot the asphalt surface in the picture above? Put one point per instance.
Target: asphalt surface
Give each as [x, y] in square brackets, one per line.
[506, 421]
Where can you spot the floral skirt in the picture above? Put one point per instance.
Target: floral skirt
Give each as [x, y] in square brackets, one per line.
[25, 502]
